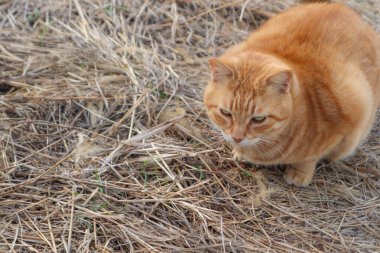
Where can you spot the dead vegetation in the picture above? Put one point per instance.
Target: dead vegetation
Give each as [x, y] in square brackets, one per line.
[105, 147]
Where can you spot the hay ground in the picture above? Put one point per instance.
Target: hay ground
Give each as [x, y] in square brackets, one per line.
[105, 146]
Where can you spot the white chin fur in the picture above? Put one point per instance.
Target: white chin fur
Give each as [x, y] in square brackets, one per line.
[246, 143]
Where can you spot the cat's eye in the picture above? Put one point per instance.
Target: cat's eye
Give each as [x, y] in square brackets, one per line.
[225, 113]
[258, 119]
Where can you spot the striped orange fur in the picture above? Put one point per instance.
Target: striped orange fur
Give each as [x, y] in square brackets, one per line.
[303, 87]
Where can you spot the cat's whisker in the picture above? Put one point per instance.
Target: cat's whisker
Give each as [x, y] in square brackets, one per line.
[272, 148]
[262, 152]
[268, 151]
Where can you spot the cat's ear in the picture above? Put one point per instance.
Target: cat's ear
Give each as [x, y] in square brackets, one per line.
[219, 70]
[281, 80]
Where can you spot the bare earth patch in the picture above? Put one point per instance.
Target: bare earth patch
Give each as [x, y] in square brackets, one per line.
[105, 146]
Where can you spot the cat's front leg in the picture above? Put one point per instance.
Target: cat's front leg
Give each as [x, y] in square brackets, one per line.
[300, 174]
[236, 155]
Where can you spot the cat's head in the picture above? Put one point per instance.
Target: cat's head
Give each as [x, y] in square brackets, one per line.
[249, 96]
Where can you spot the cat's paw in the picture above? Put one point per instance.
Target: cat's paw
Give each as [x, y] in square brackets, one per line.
[236, 155]
[298, 177]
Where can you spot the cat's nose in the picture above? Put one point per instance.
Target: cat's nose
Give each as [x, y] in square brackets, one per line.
[237, 140]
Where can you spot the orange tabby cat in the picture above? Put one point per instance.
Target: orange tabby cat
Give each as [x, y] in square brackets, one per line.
[303, 87]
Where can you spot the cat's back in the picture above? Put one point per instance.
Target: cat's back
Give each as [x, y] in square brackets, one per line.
[322, 39]
[318, 28]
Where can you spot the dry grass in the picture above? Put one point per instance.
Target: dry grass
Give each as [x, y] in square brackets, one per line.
[105, 146]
